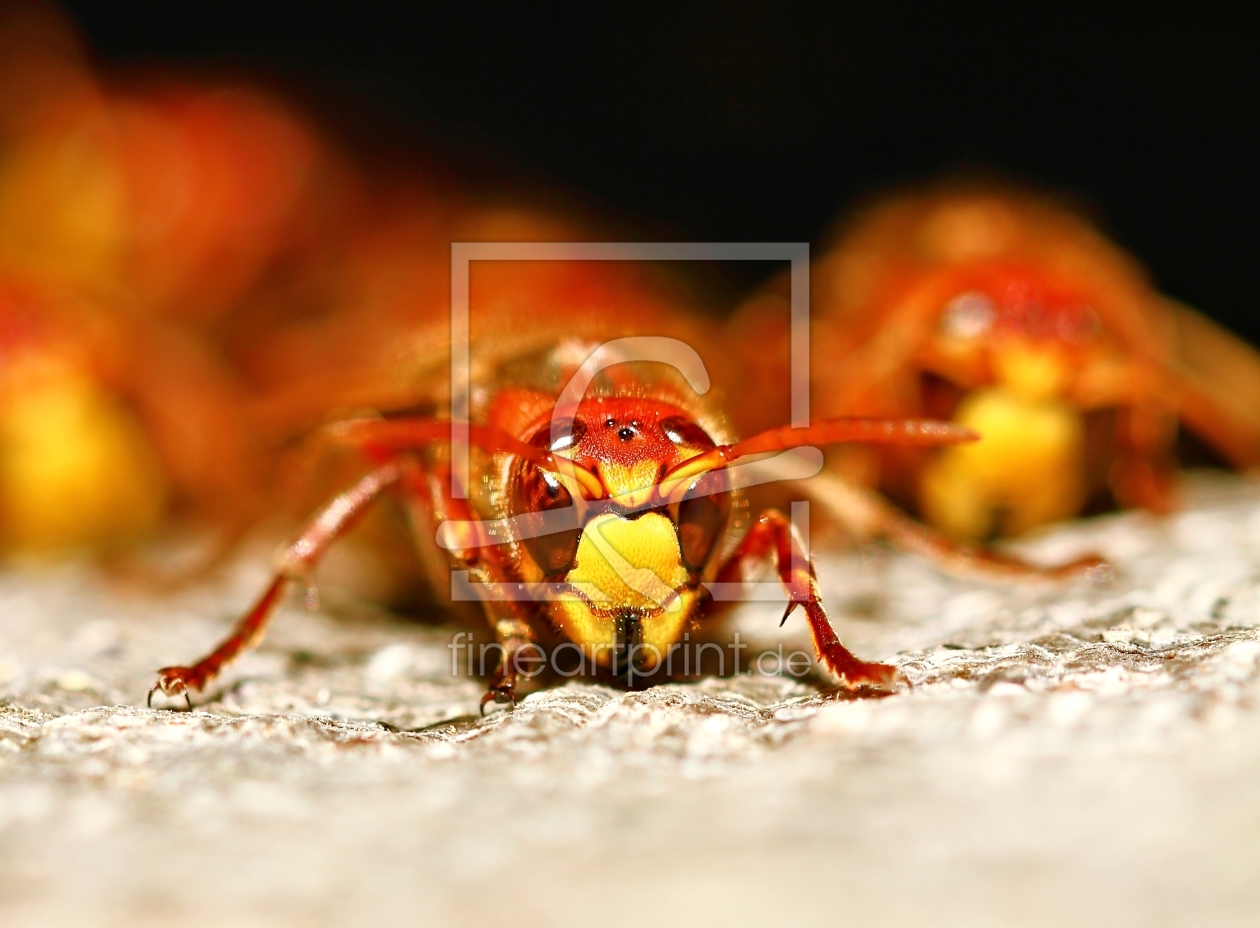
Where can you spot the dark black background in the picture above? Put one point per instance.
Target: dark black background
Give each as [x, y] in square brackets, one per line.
[761, 121]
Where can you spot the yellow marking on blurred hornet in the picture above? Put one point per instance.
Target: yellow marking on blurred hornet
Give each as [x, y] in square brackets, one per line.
[75, 465]
[1026, 472]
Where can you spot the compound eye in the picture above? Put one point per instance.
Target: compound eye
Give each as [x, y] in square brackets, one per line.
[551, 537]
[549, 521]
[702, 517]
[682, 431]
[968, 315]
[563, 435]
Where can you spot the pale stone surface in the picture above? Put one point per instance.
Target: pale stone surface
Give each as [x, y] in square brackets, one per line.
[1067, 755]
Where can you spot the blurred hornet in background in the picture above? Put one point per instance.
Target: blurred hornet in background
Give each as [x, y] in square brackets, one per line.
[1003, 311]
[157, 195]
[107, 427]
[135, 217]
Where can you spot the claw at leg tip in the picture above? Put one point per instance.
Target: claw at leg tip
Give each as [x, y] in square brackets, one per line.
[500, 695]
[158, 686]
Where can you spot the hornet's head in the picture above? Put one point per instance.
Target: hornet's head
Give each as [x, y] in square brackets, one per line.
[628, 544]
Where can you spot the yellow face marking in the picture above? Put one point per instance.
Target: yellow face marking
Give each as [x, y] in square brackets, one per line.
[595, 633]
[629, 563]
[631, 485]
[662, 631]
[626, 564]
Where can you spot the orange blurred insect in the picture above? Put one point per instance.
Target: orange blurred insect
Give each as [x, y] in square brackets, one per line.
[109, 427]
[605, 493]
[153, 195]
[132, 223]
[1007, 313]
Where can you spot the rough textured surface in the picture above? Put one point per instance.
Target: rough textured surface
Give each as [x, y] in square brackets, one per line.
[1066, 753]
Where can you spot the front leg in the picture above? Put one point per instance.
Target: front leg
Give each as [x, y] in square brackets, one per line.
[513, 637]
[293, 566]
[772, 536]
[511, 620]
